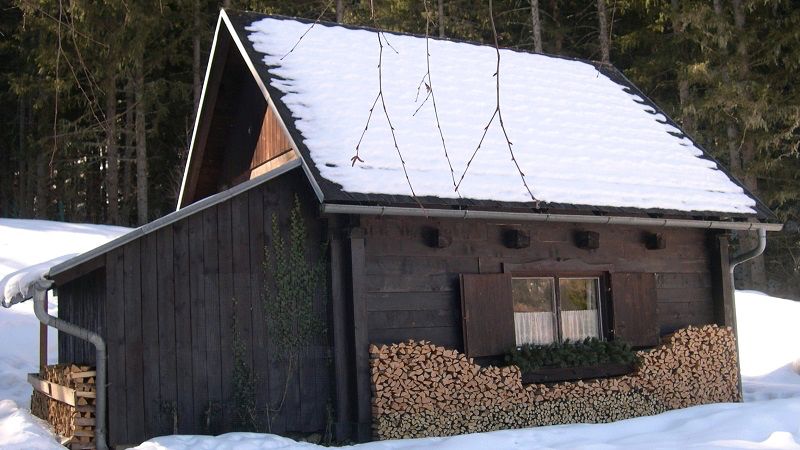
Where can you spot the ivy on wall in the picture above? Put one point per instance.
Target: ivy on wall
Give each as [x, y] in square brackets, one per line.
[294, 281]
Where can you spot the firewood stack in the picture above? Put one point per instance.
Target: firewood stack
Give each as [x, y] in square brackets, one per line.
[72, 415]
[420, 389]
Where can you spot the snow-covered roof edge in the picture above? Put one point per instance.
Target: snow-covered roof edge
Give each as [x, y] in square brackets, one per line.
[332, 192]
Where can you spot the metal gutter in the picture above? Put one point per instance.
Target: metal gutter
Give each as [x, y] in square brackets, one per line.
[171, 218]
[334, 208]
[39, 300]
[753, 253]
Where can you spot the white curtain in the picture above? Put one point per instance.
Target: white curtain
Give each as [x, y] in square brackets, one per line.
[534, 327]
[578, 325]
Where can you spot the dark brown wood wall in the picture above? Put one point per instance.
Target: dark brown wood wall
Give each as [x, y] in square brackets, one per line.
[412, 289]
[167, 300]
[79, 302]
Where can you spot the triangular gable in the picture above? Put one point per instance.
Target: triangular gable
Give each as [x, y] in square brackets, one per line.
[237, 135]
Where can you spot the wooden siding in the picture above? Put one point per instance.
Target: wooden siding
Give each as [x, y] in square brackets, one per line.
[412, 289]
[79, 302]
[168, 300]
[272, 141]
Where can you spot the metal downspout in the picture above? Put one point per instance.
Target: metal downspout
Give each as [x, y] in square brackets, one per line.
[735, 261]
[39, 297]
[747, 256]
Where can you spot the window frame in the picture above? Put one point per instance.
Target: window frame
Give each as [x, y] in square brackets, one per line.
[603, 320]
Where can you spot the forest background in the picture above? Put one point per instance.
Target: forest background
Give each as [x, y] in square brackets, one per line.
[97, 97]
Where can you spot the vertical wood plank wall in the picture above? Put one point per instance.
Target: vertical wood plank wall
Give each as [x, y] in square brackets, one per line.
[165, 306]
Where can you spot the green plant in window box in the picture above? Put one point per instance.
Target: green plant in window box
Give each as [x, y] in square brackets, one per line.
[586, 353]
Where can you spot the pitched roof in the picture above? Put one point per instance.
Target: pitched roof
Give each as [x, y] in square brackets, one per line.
[583, 135]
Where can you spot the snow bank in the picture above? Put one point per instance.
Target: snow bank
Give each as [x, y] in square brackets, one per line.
[774, 424]
[20, 430]
[578, 136]
[769, 342]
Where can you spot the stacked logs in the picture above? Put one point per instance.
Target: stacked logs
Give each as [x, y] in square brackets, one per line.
[421, 390]
[74, 423]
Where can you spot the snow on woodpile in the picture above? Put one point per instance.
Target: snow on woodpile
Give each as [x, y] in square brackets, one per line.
[579, 137]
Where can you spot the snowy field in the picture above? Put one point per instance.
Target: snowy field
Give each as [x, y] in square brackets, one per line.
[769, 418]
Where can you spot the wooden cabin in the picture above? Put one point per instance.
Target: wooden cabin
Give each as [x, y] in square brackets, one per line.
[620, 231]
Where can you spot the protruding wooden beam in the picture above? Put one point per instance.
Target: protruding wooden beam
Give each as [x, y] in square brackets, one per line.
[587, 240]
[516, 238]
[655, 241]
[436, 238]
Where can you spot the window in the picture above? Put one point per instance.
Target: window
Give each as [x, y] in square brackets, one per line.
[503, 310]
[553, 309]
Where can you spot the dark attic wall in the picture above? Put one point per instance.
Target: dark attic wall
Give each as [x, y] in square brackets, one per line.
[167, 314]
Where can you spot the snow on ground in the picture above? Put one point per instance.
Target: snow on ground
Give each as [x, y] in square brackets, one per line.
[769, 330]
[757, 425]
[769, 344]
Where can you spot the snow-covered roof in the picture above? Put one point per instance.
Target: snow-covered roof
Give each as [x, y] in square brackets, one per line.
[581, 133]
[29, 248]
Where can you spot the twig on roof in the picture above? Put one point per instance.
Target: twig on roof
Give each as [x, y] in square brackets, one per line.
[381, 97]
[327, 6]
[429, 87]
[499, 114]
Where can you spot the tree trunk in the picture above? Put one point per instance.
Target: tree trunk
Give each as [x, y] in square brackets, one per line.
[126, 163]
[558, 34]
[441, 18]
[112, 153]
[141, 147]
[42, 178]
[197, 80]
[684, 94]
[30, 185]
[602, 18]
[19, 195]
[339, 11]
[536, 26]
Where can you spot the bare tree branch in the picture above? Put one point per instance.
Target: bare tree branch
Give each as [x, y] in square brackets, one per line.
[381, 97]
[497, 113]
[432, 96]
[327, 6]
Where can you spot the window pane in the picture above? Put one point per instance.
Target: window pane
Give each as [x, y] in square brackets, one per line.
[579, 315]
[534, 321]
[532, 294]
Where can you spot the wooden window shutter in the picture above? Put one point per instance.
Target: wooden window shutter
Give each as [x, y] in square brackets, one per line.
[488, 314]
[634, 307]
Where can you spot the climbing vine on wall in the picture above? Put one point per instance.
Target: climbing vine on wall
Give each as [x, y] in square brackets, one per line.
[295, 279]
